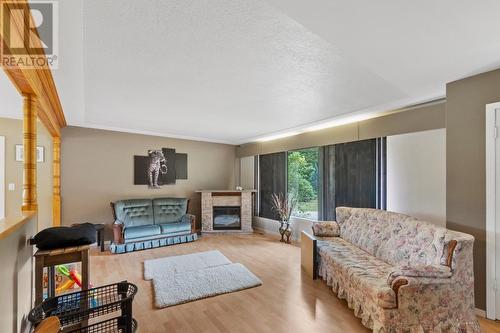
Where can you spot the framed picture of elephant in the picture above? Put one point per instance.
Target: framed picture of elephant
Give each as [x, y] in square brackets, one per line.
[155, 169]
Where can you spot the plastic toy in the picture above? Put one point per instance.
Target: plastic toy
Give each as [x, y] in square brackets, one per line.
[63, 269]
[77, 278]
[67, 285]
[73, 274]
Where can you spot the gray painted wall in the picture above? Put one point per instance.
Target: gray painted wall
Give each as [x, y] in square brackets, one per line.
[12, 129]
[419, 118]
[16, 278]
[97, 168]
[466, 164]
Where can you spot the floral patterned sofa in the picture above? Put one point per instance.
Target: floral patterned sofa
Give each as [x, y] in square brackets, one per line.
[397, 273]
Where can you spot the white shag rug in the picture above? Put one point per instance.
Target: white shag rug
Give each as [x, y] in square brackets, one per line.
[183, 263]
[187, 278]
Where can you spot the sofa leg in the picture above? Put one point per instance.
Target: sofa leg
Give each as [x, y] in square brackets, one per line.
[308, 254]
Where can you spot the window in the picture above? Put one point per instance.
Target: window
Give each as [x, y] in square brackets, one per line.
[349, 174]
[303, 181]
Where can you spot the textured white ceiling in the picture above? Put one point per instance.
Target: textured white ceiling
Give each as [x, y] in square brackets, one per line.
[234, 70]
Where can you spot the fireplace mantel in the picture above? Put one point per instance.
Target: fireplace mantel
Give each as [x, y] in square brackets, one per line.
[226, 198]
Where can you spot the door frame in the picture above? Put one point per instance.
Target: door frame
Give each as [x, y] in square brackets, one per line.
[491, 210]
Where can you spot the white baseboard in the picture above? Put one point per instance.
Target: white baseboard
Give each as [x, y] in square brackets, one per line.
[480, 313]
[268, 226]
[266, 232]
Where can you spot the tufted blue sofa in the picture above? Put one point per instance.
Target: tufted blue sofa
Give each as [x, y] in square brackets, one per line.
[148, 223]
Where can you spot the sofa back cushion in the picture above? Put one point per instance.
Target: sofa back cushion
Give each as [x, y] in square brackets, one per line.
[169, 210]
[134, 212]
[395, 238]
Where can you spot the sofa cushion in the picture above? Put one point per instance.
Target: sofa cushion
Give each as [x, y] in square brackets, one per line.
[134, 212]
[169, 210]
[325, 229]
[61, 237]
[395, 238]
[141, 231]
[170, 228]
[358, 272]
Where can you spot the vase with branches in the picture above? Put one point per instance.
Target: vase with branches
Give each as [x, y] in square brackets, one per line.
[284, 205]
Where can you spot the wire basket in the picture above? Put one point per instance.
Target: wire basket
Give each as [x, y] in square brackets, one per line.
[76, 307]
[115, 325]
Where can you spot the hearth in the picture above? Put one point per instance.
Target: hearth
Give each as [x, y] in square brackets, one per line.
[227, 218]
[226, 211]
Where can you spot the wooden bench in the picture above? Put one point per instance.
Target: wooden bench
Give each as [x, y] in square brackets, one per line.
[52, 258]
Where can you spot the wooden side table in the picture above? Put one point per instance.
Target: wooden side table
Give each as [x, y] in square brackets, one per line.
[52, 258]
[100, 235]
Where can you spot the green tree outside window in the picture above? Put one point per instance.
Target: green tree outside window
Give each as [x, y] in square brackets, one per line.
[303, 181]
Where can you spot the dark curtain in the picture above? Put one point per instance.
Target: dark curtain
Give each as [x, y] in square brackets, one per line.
[354, 176]
[272, 172]
[328, 194]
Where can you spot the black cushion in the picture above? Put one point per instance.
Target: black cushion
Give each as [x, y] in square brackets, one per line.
[59, 237]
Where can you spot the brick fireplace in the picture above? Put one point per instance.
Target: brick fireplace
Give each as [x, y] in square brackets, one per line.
[226, 211]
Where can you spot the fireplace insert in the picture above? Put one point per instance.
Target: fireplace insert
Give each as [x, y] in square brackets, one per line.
[227, 218]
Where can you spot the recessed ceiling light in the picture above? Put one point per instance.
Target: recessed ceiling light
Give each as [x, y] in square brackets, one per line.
[319, 126]
[278, 136]
[341, 121]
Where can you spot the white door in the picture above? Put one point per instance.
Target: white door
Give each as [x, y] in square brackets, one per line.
[497, 212]
[493, 211]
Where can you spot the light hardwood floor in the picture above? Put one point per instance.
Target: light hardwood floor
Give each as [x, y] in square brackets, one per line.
[288, 300]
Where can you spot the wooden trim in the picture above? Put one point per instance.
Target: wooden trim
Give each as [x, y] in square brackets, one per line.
[11, 224]
[118, 233]
[34, 82]
[33, 79]
[226, 194]
[29, 142]
[398, 284]
[112, 205]
[56, 174]
[451, 249]
[192, 219]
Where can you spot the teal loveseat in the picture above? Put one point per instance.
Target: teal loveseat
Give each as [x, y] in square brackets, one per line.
[148, 223]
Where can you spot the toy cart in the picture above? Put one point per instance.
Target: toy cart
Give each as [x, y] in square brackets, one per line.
[77, 310]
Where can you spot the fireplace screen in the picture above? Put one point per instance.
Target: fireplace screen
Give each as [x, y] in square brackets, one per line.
[227, 218]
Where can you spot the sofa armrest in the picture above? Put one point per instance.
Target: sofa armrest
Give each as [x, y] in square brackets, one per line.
[409, 290]
[326, 229]
[308, 254]
[191, 219]
[118, 233]
[422, 271]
